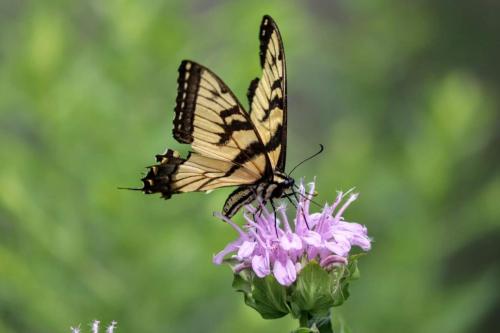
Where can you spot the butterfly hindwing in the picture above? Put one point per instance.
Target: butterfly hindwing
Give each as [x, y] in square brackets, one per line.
[227, 150]
[267, 95]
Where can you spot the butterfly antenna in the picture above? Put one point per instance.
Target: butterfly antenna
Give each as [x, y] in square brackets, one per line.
[130, 188]
[321, 148]
[307, 198]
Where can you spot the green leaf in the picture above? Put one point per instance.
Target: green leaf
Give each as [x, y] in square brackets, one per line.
[295, 310]
[341, 294]
[240, 283]
[340, 287]
[343, 276]
[250, 301]
[352, 268]
[313, 290]
[269, 298]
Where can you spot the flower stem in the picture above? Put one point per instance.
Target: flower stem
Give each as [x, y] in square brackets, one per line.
[304, 320]
[322, 323]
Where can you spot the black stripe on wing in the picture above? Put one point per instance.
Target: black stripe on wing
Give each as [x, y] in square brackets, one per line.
[267, 27]
[251, 90]
[188, 84]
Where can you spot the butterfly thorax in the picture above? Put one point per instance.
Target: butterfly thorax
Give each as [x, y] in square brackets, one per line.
[266, 190]
[275, 188]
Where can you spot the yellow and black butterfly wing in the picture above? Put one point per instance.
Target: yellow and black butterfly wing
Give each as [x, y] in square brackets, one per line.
[230, 147]
[267, 95]
[227, 149]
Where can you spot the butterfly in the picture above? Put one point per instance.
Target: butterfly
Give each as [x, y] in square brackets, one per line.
[230, 147]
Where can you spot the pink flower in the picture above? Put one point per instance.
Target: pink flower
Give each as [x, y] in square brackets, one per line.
[269, 246]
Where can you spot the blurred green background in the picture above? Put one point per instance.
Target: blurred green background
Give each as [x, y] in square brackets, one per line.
[403, 94]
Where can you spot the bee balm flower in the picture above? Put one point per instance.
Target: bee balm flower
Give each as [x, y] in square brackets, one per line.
[270, 244]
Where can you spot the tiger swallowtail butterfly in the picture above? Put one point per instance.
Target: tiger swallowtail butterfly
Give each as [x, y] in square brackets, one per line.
[230, 147]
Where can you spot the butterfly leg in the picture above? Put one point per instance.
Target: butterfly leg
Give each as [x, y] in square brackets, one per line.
[275, 219]
[301, 209]
[257, 212]
[289, 197]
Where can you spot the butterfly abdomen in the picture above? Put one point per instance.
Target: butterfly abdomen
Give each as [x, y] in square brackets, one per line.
[241, 196]
[159, 176]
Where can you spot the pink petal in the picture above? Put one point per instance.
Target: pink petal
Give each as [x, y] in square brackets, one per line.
[245, 250]
[312, 238]
[242, 266]
[285, 274]
[342, 249]
[291, 270]
[362, 241]
[313, 219]
[290, 241]
[352, 197]
[354, 233]
[260, 265]
[231, 247]
[332, 260]
[312, 252]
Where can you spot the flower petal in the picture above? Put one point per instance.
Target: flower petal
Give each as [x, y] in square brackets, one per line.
[340, 248]
[246, 249]
[280, 247]
[333, 260]
[260, 265]
[362, 241]
[290, 241]
[285, 273]
[231, 247]
[241, 266]
[312, 238]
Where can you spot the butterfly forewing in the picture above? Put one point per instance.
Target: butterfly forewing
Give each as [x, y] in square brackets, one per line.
[227, 149]
[267, 95]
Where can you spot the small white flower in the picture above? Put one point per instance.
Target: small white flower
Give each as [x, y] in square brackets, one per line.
[111, 327]
[95, 327]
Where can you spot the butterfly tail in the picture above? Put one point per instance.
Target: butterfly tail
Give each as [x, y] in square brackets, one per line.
[159, 176]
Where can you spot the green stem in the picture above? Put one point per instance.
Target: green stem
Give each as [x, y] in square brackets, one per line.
[323, 323]
[304, 319]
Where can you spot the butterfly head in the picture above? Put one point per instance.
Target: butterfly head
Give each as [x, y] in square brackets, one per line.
[282, 182]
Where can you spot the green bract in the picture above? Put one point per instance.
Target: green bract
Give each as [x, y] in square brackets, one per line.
[309, 299]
